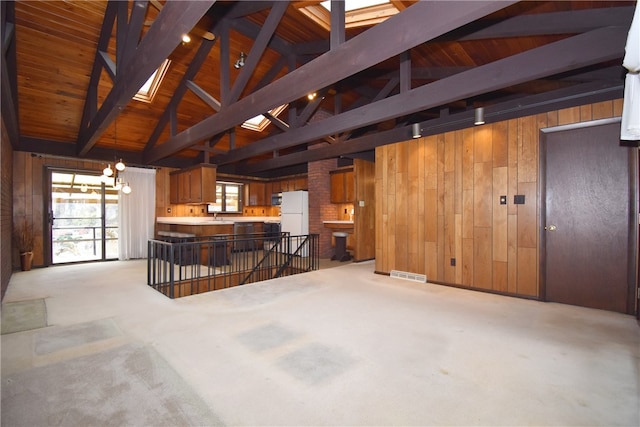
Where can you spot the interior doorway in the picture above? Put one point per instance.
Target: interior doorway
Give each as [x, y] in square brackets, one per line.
[83, 217]
[588, 216]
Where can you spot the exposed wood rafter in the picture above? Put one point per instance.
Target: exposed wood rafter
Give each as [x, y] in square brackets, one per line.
[605, 43]
[175, 19]
[423, 21]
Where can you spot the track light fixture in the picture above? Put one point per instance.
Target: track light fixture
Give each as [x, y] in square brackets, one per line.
[416, 131]
[240, 62]
[479, 116]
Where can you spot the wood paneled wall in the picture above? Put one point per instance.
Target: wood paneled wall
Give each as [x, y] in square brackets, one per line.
[438, 202]
[6, 209]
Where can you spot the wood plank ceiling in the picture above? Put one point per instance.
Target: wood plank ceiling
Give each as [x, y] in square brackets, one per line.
[71, 68]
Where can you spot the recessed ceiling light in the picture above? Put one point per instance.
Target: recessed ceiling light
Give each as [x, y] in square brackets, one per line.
[186, 38]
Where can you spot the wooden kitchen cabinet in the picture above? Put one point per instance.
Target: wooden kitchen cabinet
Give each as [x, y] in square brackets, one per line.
[174, 189]
[255, 194]
[343, 189]
[300, 183]
[193, 185]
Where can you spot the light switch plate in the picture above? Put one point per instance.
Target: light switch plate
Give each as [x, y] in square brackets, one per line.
[361, 203]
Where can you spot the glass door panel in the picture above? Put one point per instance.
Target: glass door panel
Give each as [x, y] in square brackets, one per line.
[84, 215]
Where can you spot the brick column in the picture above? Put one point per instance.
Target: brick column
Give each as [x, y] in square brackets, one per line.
[320, 207]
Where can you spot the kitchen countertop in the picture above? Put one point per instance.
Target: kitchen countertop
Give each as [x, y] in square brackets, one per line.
[337, 222]
[222, 220]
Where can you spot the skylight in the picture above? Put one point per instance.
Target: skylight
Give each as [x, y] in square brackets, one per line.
[350, 5]
[260, 122]
[358, 13]
[150, 87]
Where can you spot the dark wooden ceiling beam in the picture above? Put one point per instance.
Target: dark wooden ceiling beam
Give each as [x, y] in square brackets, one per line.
[175, 19]
[204, 95]
[603, 45]
[280, 124]
[252, 30]
[108, 65]
[245, 8]
[566, 22]
[337, 36]
[133, 29]
[67, 149]
[194, 66]
[257, 50]
[101, 60]
[309, 110]
[419, 23]
[533, 104]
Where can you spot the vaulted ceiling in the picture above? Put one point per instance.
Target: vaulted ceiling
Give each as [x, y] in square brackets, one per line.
[71, 68]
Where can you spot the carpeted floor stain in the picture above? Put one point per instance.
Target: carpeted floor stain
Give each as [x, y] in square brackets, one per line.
[21, 316]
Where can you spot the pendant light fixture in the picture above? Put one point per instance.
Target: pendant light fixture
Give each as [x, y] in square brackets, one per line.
[107, 171]
[117, 182]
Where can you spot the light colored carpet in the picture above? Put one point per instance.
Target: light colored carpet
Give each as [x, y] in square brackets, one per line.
[127, 386]
[339, 346]
[57, 338]
[21, 316]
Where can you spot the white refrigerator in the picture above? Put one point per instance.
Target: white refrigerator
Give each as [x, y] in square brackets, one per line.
[294, 216]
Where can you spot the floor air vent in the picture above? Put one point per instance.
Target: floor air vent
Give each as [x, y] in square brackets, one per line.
[422, 278]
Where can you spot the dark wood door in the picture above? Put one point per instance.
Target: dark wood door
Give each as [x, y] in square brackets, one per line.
[588, 213]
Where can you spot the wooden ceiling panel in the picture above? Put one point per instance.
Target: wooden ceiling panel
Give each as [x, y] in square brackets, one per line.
[57, 40]
[63, 20]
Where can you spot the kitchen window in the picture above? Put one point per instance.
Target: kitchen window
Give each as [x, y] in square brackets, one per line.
[228, 198]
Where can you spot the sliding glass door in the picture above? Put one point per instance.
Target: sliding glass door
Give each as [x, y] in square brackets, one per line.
[83, 218]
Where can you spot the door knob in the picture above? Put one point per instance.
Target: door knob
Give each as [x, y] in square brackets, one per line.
[550, 228]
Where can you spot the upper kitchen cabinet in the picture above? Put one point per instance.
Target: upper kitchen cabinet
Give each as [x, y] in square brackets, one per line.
[193, 185]
[256, 194]
[343, 188]
[293, 183]
[300, 183]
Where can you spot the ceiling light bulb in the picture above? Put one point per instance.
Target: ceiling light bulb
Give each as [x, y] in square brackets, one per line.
[311, 96]
[126, 189]
[107, 171]
[186, 38]
[120, 166]
[84, 188]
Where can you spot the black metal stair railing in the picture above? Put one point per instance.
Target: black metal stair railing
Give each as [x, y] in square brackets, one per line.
[293, 255]
[181, 266]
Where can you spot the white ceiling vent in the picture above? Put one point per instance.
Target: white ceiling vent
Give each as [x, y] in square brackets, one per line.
[422, 278]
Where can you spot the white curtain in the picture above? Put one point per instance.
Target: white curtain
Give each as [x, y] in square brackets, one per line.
[136, 212]
[630, 123]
